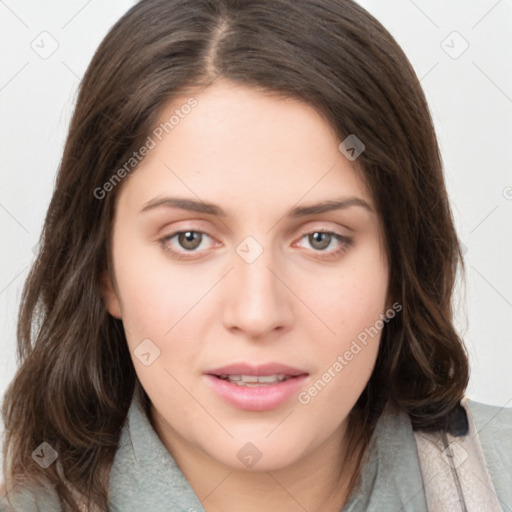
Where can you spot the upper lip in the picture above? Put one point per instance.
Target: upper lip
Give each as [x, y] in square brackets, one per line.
[256, 369]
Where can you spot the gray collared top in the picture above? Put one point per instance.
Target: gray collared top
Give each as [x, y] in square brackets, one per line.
[145, 477]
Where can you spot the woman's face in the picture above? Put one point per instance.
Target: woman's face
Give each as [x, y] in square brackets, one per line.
[253, 314]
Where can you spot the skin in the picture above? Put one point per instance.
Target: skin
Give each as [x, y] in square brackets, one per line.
[256, 156]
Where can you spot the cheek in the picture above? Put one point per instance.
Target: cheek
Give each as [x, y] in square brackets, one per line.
[157, 302]
[351, 308]
[165, 303]
[155, 295]
[351, 298]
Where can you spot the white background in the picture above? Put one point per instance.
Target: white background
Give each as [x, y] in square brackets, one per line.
[470, 99]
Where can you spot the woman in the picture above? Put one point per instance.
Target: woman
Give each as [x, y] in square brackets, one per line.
[243, 294]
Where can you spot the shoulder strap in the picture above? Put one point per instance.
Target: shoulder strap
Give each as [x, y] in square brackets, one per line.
[455, 475]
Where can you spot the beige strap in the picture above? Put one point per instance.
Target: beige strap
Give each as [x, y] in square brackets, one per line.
[455, 475]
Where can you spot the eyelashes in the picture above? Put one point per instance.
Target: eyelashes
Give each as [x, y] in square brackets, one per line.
[187, 243]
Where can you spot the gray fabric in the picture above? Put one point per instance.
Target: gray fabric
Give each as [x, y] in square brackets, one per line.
[33, 500]
[391, 476]
[494, 425]
[145, 477]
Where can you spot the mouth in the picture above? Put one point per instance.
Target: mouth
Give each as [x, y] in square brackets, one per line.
[256, 388]
[254, 380]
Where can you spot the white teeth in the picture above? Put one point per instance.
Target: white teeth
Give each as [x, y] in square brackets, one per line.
[267, 378]
[248, 378]
[254, 380]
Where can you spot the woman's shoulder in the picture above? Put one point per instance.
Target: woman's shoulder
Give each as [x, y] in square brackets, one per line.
[494, 427]
[488, 411]
[29, 500]
[493, 423]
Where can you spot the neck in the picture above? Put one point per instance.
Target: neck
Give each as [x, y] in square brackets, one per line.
[318, 482]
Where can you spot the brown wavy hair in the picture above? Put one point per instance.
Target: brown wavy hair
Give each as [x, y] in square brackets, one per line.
[76, 380]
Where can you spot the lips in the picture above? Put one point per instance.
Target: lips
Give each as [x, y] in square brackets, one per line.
[263, 370]
[256, 387]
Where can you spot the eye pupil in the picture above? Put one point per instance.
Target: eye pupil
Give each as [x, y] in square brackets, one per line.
[189, 239]
[323, 238]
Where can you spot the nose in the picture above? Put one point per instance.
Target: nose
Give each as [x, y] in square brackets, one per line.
[259, 301]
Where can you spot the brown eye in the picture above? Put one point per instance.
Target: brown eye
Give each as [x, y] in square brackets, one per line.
[320, 240]
[327, 244]
[185, 244]
[190, 240]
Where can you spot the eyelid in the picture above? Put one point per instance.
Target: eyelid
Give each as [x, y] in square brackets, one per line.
[321, 229]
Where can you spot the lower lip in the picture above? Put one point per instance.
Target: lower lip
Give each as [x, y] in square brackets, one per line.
[258, 398]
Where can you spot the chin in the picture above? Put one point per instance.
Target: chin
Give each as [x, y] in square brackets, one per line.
[260, 454]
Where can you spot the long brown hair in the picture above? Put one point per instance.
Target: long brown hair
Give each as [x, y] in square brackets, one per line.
[76, 380]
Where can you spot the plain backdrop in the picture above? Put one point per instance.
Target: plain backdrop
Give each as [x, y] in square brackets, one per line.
[460, 50]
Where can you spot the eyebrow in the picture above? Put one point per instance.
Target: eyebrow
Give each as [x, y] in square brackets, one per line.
[213, 209]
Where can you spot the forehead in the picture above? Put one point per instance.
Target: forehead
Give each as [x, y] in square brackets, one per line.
[243, 147]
